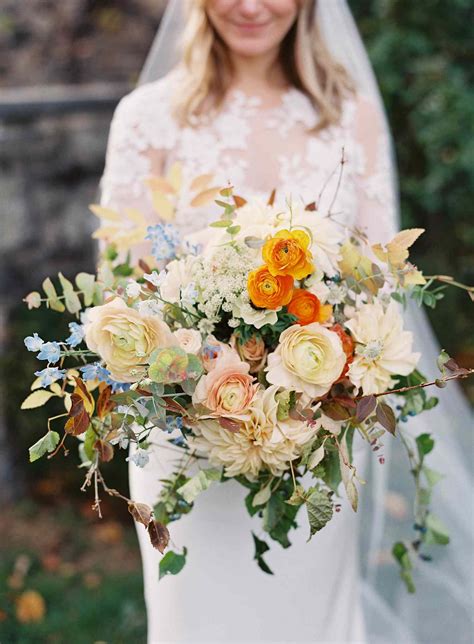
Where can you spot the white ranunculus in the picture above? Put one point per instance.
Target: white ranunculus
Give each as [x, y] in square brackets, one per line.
[263, 442]
[179, 275]
[125, 339]
[243, 309]
[383, 348]
[315, 285]
[189, 340]
[309, 359]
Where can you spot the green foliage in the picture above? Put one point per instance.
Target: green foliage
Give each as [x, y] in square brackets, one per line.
[320, 509]
[172, 563]
[422, 53]
[45, 445]
[261, 547]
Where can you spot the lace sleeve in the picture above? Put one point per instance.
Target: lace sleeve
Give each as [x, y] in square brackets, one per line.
[377, 209]
[142, 133]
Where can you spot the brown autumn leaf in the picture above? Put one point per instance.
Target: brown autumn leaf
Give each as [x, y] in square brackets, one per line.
[200, 183]
[239, 201]
[159, 184]
[365, 406]
[144, 266]
[271, 198]
[104, 402]
[204, 197]
[82, 406]
[386, 417]
[30, 607]
[311, 207]
[141, 512]
[159, 535]
[233, 426]
[335, 411]
[105, 450]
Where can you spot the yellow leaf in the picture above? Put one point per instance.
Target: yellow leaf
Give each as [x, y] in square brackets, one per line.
[406, 238]
[163, 206]
[104, 233]
[67, 402]
[396, 251]
[105, 213]
[159, 184]
[413, 277]
[350, 258]
[136, 216]
[200, 183]
[175, 176]
[37, 399]
[204, 197]
[56, 389]
[36, 384]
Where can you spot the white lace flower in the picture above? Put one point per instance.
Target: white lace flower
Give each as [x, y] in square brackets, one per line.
[262, 443]
[383, 348]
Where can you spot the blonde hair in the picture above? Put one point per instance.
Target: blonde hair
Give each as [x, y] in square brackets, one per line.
[304, 58]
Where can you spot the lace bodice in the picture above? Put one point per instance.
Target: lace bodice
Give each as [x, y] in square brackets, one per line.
[255, 148]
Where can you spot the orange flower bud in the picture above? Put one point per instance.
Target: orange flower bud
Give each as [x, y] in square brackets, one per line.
[287, 253]
[307, 307]
[268, 291]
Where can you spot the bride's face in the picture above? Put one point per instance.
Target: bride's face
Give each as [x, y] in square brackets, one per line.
[252, 27]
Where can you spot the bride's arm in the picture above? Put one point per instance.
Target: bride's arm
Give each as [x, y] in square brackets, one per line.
[376, 186]
[134, 153]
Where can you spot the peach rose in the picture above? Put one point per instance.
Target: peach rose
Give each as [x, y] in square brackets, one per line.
[287, 253]
[307, 308]
[267, 291]
[213, 352]
[189, 340]
[227, 390]
[124, 338]
[252, 351]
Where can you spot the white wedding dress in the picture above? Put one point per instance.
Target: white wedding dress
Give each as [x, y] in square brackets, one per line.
[221, 595]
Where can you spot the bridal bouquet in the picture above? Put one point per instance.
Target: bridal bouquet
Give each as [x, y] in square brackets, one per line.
[256, 350]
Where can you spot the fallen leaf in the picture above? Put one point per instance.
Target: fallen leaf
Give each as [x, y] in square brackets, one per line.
[30, 607]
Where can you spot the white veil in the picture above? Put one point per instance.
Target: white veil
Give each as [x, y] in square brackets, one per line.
[441, 609]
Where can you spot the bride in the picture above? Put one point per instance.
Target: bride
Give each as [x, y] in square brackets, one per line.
[264, 94]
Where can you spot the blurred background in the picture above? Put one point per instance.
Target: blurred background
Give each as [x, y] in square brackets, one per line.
[64, 574]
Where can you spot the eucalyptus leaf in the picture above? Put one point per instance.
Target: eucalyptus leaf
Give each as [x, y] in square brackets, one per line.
[198, 483]
[54, 302]
[71, 299]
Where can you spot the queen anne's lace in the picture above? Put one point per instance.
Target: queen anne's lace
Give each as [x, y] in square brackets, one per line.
[256, 149]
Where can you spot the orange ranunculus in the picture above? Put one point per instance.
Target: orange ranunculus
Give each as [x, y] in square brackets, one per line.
[268, 291]
[308, 308]
[347, 347]
[287, 253]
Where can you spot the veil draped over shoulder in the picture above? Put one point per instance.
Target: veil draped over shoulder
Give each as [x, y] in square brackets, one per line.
[440, 611]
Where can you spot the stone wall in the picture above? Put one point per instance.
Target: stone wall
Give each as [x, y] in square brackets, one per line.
[49, 173]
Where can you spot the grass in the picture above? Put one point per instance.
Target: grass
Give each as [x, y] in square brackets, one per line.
[87, 576]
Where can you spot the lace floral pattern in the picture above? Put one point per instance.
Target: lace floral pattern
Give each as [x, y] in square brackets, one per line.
[255, 148]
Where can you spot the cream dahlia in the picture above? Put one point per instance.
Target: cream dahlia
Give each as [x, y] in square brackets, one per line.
[383, 348]
[263, 442]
